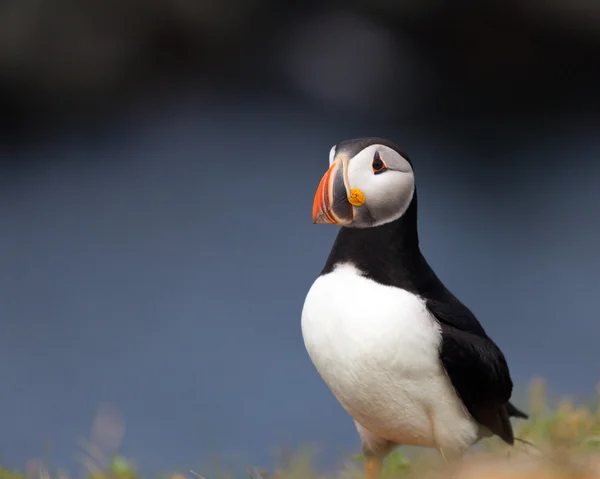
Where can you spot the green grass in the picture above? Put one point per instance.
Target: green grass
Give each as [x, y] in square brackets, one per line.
[566, 436]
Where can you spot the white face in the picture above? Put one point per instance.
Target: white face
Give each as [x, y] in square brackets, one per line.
[364, 187]
[387, 182]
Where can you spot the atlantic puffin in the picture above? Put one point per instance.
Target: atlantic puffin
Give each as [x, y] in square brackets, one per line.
[404, 357]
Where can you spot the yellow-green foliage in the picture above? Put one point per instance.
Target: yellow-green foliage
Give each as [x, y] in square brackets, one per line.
[567, 425]
[119, 468]
[6, 474]
[565, 438]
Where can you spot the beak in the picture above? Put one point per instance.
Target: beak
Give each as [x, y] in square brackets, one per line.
[331, 205]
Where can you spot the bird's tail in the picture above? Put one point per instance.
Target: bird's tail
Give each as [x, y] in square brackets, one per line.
[514, 412]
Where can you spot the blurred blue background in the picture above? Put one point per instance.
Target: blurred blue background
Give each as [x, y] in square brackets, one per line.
[158, 162]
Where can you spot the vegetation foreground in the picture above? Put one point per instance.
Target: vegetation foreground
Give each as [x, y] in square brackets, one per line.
[562, 441]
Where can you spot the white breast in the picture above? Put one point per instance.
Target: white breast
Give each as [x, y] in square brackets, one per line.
[377, 347]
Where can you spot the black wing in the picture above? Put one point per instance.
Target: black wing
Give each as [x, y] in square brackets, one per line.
[476, 367]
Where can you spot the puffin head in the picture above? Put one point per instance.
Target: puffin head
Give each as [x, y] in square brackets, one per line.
[369, 183]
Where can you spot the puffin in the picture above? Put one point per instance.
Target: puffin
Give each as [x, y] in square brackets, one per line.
[403, 356]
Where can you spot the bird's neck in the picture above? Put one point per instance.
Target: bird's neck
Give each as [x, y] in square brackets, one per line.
[389, 253]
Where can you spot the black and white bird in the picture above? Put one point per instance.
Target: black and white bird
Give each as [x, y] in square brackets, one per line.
[405, 358]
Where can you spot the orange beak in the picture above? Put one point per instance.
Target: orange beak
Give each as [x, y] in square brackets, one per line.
[331, 205]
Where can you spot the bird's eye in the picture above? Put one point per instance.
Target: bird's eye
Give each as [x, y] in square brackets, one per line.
[378, 164]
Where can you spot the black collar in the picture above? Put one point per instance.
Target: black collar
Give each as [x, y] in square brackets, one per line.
[388, 254]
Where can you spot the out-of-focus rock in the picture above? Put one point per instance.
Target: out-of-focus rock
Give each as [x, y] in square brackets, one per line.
[348, 61]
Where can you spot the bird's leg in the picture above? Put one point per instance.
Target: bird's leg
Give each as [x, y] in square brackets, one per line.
[441, 451]
[373, 467]
[449, 455]
[374, 449]
[434, 435]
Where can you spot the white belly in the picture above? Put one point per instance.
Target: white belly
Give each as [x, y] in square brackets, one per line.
[377, 347]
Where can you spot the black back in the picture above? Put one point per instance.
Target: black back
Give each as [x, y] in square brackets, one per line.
[390, 255]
